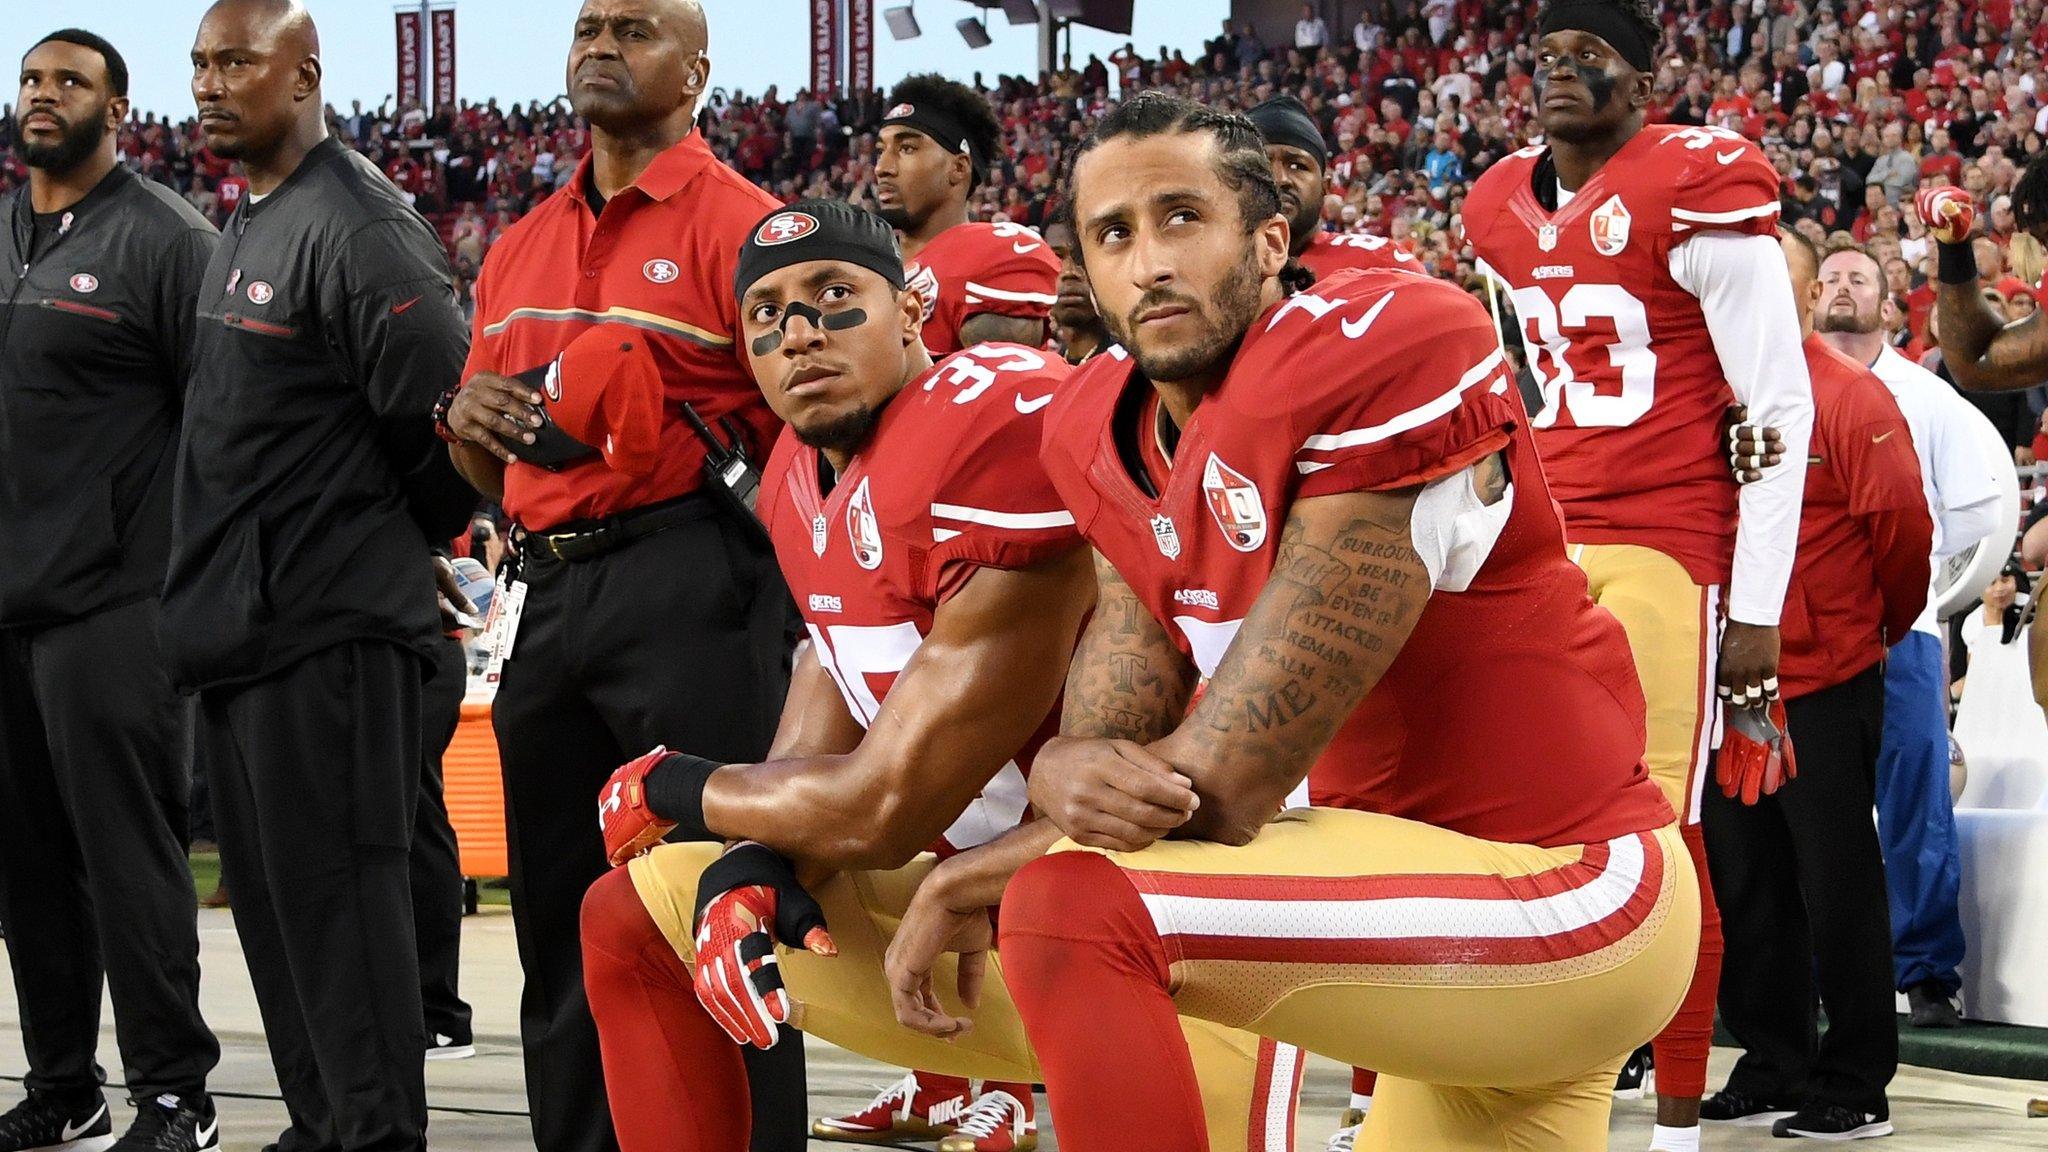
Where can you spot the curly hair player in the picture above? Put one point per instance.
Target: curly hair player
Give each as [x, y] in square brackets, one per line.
[1328, 503]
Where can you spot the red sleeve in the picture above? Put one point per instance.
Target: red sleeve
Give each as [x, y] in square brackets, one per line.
[481, 357]
[993, 505]
[1016, 276]
[1882, 475]
[1428, 396]
[1724, 184]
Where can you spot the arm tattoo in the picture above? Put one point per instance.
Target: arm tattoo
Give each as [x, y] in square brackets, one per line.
[1346, 591]
[1982, 352]
[1127, 681]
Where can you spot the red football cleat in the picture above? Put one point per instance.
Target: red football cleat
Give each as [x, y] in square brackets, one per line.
[1000, 1120]
[919, 1106]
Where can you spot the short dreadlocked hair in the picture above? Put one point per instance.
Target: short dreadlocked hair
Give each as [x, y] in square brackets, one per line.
[2030, 195]
[1240, 163]
[960, 104]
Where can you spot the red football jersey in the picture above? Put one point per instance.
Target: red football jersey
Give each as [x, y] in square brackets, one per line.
[1514, 712]
[949, 482]
[1330, 253]
[1634, 395]
[974, 268]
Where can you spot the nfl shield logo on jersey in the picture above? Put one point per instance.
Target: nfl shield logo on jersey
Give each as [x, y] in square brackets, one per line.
[1610, 227]
[862, 530]
[1166, 536]
[1235, 503]
[821, 531]
[1546, 237]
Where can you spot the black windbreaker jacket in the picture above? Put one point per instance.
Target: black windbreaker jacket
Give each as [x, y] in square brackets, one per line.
[95, 341]
[309, 479]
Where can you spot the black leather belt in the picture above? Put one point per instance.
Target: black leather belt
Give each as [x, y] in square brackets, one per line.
[580, 540]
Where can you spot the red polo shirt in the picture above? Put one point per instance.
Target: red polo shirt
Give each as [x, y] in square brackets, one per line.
[656, 264]
[1860, 576]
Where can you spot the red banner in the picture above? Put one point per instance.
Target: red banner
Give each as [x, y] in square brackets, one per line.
[824, 48]
[410, 48]
[444, 58]
[861, 34]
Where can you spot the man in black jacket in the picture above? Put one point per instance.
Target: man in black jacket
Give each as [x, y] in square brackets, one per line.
[300, 599]
[97, 280]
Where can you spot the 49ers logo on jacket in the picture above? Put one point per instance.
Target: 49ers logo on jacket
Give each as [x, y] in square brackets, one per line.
[925, 283]
[1234, 502]
[862, 530]
[1610, 227]
[783, 227]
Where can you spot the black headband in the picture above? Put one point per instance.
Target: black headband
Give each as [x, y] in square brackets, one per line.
[945, 131]
[1601, 18]
[818, 230]
[1285, 120]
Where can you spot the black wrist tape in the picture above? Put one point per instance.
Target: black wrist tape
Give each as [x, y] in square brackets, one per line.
[675, 791]
[1955, 263]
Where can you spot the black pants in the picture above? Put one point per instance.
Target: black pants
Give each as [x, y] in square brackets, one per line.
[316, 771]
[1800, 881]
[93, 878]
[436, 861]
[678, 639]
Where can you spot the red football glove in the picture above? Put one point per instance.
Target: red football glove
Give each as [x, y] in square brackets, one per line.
[754, 901]
[1756, 753]
[630, 828]
[1948, 211]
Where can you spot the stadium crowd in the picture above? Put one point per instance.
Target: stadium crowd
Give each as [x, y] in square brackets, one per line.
[1857, 108]
[1857, 105]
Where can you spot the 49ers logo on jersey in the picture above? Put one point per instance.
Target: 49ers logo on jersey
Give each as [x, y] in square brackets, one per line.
[1610, 227]
[1234, 502]
[925, 283]
[862, 530]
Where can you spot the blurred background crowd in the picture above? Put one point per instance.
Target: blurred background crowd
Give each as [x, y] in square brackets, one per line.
[1858, 104]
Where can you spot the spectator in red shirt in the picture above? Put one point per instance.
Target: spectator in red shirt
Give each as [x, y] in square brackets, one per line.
[1941, 158]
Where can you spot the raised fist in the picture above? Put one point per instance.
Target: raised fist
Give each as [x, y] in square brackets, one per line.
[1948, 211]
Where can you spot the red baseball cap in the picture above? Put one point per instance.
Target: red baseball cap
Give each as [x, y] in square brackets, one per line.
[605, 390]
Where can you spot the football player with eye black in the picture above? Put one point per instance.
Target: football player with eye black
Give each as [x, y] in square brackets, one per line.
[1641, 262]
[943, 586]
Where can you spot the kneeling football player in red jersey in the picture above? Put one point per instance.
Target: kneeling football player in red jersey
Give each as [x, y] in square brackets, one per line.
[943, 585]
[1327, 503]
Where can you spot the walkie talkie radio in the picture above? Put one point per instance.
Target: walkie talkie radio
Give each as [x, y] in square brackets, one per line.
[733, 478]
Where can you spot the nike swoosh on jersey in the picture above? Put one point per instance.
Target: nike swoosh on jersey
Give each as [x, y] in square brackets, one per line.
[1029, 406]
[399, 309]
[1883, 438]
[1356, 328]
[72, 1133]
[1021, 249]
[1727, 158]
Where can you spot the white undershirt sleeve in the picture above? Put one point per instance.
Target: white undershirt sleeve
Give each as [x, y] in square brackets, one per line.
[1965, 451]
[1746, 293]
